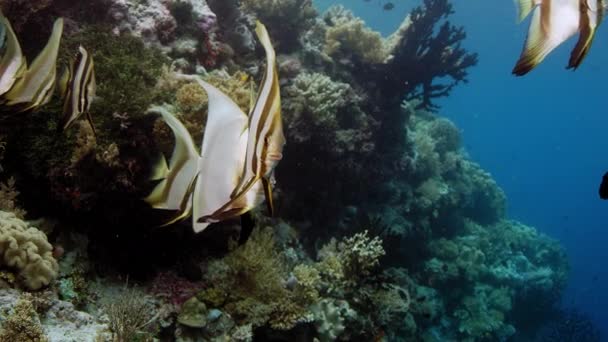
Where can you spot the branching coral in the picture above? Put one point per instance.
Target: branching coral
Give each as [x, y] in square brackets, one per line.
[128, 313]
[427, 51]
[27, 250]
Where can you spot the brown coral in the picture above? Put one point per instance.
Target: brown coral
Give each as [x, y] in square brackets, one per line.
[23, 324]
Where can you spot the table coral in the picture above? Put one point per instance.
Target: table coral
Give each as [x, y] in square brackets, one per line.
[26, 249]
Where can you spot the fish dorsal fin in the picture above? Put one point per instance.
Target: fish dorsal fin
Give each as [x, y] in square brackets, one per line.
[170, 193]
[222, 154]
[12, 63]
[39, 78]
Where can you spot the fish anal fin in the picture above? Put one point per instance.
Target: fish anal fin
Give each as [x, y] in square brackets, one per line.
[536, 48]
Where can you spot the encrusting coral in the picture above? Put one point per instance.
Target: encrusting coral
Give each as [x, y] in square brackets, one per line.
[27, 250]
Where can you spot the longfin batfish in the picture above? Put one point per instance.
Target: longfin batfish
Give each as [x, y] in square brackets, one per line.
[37, 83]
[174, 191]
[553, 22]
[592, 13]
[12, 63]
[77, 86]
[264, 143]
[232, 143]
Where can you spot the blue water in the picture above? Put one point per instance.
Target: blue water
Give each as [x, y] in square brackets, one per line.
[542, 137]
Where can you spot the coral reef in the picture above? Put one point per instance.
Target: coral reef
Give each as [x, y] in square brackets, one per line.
[42, 317]
[387, 230]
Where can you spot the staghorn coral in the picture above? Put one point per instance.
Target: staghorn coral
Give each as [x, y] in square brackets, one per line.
[26, 249]
[23, 324]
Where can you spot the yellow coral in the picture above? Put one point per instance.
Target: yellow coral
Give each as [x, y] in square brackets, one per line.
[190, 97]
[27, 250]
[348, 35]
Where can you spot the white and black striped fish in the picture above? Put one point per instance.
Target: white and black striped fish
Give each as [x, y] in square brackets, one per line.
[32, 87]
[233, 172]
[77, 87]
[553, 22]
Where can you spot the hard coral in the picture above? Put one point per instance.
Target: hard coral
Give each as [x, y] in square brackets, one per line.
[432, 46]
[348, 37]
[26, 249]
[286, 19]
[326, 112]
[23, 324]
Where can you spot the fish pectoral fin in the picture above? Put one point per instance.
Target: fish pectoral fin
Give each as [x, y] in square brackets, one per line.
[268, 194]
